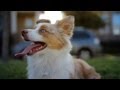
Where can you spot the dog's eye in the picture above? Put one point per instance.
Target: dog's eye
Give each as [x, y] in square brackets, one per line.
[43, 30]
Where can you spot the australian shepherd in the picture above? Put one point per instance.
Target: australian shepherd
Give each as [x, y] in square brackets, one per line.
[48, 56]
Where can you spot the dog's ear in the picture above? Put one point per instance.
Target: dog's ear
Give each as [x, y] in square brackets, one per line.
[67, 25]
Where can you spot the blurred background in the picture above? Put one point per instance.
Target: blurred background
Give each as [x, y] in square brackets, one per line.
[96, 39]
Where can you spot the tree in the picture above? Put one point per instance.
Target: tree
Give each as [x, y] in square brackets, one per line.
[87, 19]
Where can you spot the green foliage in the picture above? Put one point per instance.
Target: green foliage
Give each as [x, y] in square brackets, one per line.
[14, 69]
[108, 67]
[86, 19]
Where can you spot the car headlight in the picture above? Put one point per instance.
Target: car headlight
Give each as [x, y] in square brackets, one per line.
[96, 41]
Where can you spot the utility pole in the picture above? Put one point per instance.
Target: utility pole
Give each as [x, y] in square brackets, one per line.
[6, 30]
[110, 22]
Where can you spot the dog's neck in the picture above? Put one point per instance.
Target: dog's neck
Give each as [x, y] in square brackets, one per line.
[50, 57]
[53, 54]
[53, 63]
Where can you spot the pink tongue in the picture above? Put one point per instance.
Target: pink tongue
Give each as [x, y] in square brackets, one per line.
[27, 50]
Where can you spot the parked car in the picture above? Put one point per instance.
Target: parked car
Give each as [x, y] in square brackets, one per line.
[85, 43]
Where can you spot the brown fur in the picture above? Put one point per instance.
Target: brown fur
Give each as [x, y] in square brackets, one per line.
[56, 41]
[43, 27]
[53, 40]
[84, 71]
[66, 25]
[55, 36]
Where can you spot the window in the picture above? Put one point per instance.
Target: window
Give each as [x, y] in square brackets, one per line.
[28, 23]
[116, 23]
[81, 35]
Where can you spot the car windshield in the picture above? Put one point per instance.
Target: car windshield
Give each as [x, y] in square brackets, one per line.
[80, 34]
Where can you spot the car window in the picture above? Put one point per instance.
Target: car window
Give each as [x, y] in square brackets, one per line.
[81, 35]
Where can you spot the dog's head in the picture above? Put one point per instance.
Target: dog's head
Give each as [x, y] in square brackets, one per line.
[47, 35]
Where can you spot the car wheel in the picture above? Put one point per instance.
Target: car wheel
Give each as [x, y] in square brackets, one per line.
[85, 54]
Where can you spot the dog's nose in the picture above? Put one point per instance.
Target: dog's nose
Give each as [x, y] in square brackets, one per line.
[23, 32]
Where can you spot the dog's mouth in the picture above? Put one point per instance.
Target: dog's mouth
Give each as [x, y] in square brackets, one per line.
[32, 49]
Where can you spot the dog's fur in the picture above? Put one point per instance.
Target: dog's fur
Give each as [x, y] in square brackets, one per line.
[55, 61]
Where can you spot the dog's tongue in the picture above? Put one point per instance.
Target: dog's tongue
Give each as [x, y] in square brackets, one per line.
[29, 50]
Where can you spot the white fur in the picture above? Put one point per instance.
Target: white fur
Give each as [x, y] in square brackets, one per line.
[49, 63]
[34, 35]
[52, 64]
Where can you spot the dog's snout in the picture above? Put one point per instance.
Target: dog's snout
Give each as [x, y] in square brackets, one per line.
[23, 32]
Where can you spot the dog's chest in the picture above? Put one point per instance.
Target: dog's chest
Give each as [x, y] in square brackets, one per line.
[49, 68]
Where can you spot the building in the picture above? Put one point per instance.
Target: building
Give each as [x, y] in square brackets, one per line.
[112, 28]
[11, 24]
[110, 35]
[22, 20]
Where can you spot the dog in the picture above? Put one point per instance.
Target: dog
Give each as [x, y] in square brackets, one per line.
[48, 56]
